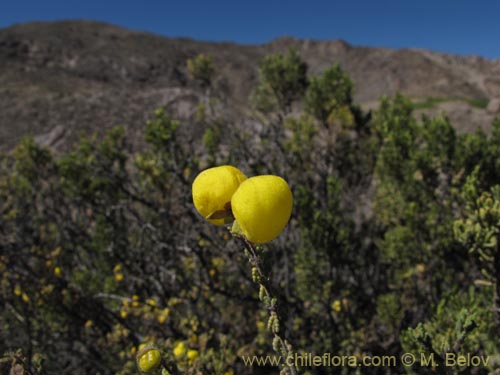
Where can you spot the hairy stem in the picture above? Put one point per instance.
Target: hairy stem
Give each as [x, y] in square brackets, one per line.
[280, 344]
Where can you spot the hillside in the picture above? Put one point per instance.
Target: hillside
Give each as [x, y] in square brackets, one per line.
[63, 78]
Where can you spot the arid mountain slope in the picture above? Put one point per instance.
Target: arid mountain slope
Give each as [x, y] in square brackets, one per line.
[63, 78]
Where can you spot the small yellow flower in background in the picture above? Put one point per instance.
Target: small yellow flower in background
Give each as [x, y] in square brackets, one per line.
[213, 189]
[192, 354]
[25, 297]
[47, 289]
[118, 277]
[260, 325]
[123, 313]
[151, 302]
[262, 206]
[229, 372]
[135, 301]
[58, 271]
[179, 350]
[148, 359]
[163, 315]
[212, 272]
[89, 324]
[336, 306]
[117, 268]
[17, 290]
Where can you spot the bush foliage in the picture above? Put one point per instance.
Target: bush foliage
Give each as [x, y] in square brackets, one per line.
[392, 246]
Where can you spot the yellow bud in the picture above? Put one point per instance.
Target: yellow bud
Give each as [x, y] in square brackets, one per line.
[57, 271]
[135, 297]
[17, 290]
[262, 206]
[118, 277]
[89, 324]
[213, 189]
[148, 359]
[123, 314]
[151, 302]
[336, 306]
[192, 355]
[25, 297]
[117, 268]
[179, 350]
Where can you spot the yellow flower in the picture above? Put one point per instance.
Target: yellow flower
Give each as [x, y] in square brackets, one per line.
[212, 192]
[17, 290]
[117, 268]
[123, 313]
[162, 317]
[118, 277]
[57, 271]
[262, 206]
[148, 359]
[25, 298]
[89, 324]
[336, 306]
[192, 354]
[180, 350]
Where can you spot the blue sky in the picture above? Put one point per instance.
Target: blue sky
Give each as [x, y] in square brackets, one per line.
[458, 26]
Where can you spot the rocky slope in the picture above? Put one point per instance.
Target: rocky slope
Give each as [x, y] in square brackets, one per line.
[61, 79]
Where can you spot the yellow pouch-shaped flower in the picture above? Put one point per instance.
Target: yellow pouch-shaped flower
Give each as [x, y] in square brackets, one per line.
[148, 360]
[262, 206]
[212, 192]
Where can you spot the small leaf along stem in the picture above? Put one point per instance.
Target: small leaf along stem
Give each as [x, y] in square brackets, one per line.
[280, 344]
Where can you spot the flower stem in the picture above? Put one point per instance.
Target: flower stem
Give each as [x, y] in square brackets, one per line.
[280, 344]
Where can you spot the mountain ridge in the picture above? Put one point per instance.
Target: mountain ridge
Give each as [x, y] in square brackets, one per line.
[79, 76]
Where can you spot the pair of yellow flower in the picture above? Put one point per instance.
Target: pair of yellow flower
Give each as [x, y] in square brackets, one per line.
[261, 206]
